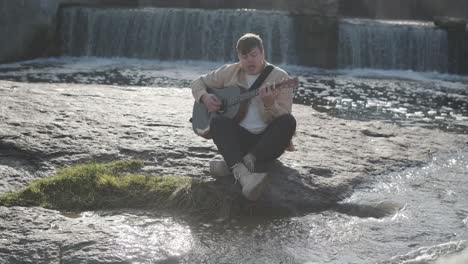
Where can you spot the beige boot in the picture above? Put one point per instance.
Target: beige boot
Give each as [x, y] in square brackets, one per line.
[252, 183]
[219, 169]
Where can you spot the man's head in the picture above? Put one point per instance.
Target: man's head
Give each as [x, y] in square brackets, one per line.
[250, 52]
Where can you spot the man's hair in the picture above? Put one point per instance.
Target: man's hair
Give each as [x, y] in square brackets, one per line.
[248, 42]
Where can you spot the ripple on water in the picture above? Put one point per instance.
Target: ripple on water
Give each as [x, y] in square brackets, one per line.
[141, 236]
[445, 253]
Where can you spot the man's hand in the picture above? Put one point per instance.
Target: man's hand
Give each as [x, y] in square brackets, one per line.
[211, 102]
[268, 95]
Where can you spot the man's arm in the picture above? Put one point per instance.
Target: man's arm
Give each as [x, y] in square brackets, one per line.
[214, 79]
[283, 100]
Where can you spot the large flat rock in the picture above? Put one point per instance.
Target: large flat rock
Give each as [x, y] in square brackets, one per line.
[47, 126]
[44, 126]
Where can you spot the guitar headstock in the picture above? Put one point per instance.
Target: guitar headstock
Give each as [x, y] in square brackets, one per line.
[283, 86]
[289, 83]
[286, 83]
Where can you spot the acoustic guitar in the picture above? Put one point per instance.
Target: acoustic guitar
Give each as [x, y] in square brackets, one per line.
[234, 103]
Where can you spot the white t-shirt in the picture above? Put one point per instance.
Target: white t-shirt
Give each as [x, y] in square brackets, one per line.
[253, 121]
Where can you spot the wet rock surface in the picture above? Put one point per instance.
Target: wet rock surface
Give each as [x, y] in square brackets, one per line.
[402, 98]
[37, 235]
[47, 126]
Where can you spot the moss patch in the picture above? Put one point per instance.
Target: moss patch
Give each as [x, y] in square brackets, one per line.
[103, 186]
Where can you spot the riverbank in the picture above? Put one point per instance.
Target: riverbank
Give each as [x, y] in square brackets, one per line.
[47, 126]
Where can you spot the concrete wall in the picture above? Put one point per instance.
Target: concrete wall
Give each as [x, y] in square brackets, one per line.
[317, 40]
[27, 29]
[403, 9]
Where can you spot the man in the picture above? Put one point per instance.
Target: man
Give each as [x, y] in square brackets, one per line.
[268, 126]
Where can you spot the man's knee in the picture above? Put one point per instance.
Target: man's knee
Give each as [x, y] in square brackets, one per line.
[288, 121]
[219, 121]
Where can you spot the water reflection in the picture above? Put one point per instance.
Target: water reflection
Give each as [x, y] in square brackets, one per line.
[430, 226]
[140, 236]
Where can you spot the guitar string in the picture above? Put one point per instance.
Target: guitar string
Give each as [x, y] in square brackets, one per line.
[253, 93]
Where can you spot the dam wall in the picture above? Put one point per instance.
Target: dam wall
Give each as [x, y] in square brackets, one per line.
[31, 28]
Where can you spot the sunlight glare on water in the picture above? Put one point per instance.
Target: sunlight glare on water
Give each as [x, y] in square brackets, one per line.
[142, 237]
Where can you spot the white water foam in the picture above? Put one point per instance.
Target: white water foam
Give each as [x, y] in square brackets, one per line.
[191, 69]
[188, 70]
[459, 258]
[456, 80]
[450, 253]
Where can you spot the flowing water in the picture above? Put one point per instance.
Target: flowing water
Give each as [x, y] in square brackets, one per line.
[149, 33]
[173, 34]
[432, 224]
[392, 45]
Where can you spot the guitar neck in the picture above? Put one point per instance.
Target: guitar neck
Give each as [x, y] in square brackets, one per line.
[248, 95]
[243, 97]
[252, 93]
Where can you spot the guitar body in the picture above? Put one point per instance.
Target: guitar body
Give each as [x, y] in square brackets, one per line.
[234, 105]
[201, 118]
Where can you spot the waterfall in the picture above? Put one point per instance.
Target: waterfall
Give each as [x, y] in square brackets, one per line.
[173, 34]
[400, 45]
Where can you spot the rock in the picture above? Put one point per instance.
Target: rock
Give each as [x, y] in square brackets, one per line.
[46, 236]
[48, 126]
[371, 209]
[104, 123]
[287, 192]
[370, 133]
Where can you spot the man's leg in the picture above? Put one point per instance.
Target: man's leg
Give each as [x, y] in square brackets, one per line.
[275, 139]
[226, 134]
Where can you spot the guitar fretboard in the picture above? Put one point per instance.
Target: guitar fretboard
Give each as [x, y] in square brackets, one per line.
[290, 83]
[245, 96]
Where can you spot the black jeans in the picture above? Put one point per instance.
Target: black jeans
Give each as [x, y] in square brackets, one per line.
[234, 141]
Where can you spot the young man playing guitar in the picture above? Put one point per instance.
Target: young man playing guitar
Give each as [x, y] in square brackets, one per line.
[265, 130]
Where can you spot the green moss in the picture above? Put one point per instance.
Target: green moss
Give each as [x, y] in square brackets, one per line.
[101, 186]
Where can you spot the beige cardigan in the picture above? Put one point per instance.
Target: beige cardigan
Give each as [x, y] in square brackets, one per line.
[233, 75]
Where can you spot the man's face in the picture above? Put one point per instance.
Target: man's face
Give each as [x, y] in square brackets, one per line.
[252, 62]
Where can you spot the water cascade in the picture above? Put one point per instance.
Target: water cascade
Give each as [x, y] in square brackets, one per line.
[401, 45]
[173, 34]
